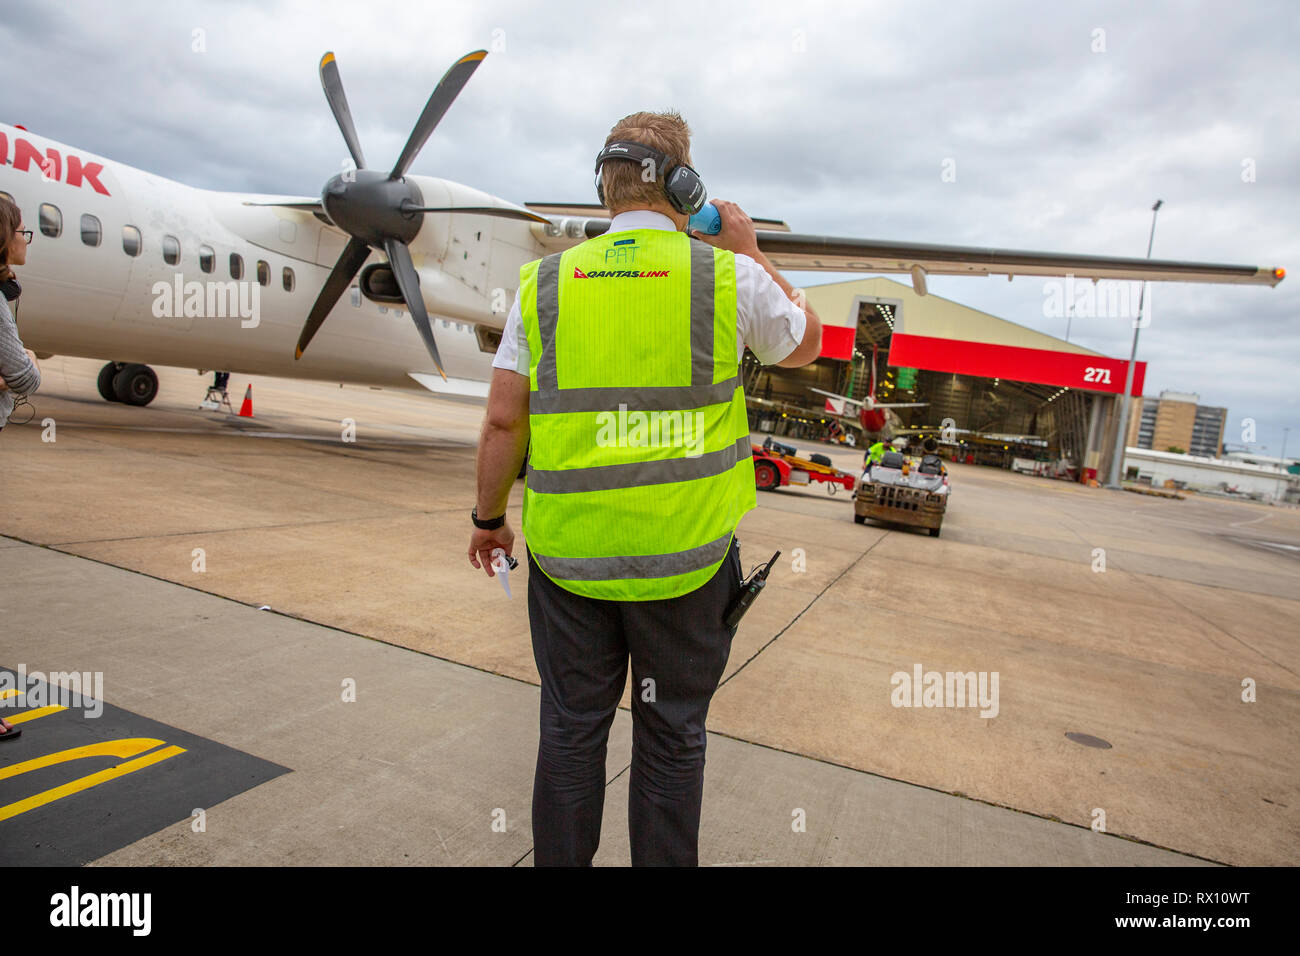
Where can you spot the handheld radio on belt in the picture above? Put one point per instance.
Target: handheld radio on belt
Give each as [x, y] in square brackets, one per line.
[749, 591]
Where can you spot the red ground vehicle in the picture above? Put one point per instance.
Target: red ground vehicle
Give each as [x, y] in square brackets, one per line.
[776, 465]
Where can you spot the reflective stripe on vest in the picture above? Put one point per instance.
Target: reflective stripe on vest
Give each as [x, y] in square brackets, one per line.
[641, 462]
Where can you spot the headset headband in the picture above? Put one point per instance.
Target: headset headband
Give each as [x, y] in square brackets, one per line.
[637, 152]
[680, 183]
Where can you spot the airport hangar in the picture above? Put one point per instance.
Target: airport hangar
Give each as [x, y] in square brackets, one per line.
[997, 381]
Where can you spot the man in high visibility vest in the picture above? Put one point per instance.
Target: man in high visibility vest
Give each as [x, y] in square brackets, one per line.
[620, 361]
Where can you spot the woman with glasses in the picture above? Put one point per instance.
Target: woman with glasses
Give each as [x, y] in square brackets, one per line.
[19, 374]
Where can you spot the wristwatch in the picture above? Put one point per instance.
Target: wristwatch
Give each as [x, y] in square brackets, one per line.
[491, 524]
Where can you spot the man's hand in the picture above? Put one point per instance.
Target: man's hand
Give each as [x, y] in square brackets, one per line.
[482, 543]
[501, 449]
[737, 235]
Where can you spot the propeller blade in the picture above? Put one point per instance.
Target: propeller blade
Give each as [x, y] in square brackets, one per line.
[338, 100]
[444, 94]
[500, 212]
[350, 260]
[408, 280]
[311, 205]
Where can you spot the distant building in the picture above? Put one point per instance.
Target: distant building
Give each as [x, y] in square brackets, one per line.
[1177, 420]
[1162, 469]
[1288, 464]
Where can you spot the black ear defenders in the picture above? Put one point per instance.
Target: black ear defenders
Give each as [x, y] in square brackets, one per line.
[681, 184]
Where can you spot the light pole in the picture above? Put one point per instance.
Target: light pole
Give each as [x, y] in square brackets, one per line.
[1121, 436]
[1285, 433]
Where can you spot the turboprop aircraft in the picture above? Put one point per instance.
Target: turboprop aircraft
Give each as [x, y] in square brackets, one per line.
[132, 268]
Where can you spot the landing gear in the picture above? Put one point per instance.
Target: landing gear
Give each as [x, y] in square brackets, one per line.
[105, 381]
[132, 385]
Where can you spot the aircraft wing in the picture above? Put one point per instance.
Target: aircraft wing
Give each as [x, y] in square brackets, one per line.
[841, 398]
[810, 253]
[805, 252]
[859, 403]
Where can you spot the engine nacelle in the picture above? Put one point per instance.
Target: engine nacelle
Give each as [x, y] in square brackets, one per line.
[380, 285]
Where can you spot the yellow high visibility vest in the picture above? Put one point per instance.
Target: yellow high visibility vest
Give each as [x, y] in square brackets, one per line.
[641, 465]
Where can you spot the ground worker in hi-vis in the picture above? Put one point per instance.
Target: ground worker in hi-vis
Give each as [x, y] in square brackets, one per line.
[872, 457]
[620, 360]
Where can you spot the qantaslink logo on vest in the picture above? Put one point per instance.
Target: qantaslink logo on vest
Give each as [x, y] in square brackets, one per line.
[608, 274]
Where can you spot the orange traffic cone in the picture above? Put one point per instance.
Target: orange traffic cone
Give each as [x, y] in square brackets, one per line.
[246, 409]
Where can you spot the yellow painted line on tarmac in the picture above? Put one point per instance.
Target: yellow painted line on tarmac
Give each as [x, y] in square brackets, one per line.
[33, 714]
[127, 747]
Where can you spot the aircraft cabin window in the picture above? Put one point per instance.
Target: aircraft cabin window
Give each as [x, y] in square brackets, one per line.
[236, 266]
[92, 233]
[51, 221]
[263, 273]
[131, 241]
[287, 279]
[207, 258]
[356, 296]
[171, 247]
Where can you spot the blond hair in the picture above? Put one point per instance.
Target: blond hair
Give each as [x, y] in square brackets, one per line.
[629, 185]
[11, 217]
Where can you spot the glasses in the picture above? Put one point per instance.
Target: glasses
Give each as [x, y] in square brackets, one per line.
[27, 234]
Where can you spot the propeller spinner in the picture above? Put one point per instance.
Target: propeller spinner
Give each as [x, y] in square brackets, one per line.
[383, 210]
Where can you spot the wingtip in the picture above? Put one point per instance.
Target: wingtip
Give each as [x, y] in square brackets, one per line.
[473, 57]
[297, 353]
[327, 58]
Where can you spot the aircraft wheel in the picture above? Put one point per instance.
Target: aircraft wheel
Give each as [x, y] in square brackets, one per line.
[105, 381]
[135, 385]
[766, 477]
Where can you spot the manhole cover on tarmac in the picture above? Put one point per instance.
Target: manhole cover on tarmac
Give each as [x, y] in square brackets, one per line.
[1089, 741]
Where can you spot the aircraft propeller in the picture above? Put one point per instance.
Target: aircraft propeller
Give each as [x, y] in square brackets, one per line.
[384, 210]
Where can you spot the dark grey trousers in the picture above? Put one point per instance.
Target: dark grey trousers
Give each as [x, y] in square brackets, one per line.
[678, 649]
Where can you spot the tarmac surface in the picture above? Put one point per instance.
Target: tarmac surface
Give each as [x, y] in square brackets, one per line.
[383, 709]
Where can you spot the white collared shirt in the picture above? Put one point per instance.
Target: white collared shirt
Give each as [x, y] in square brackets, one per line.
[766, 320]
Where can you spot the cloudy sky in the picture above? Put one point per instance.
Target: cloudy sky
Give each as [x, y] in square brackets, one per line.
[1064, 122]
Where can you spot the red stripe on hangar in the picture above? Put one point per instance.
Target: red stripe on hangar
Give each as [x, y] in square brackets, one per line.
[837, 341]
[1097, 373]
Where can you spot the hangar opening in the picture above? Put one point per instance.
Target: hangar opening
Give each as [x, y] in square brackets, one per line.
[991, 392]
